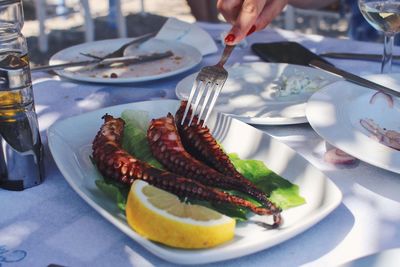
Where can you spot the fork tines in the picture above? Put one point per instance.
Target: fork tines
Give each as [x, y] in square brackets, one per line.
[210, 81]
[204, 93]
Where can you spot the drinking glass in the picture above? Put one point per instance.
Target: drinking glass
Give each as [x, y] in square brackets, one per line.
[383, 15]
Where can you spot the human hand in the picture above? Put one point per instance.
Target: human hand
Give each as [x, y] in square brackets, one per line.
[248, 16]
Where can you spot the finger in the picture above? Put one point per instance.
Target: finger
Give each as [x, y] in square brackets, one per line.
[247, 18]
[229, 9]
[270, 11]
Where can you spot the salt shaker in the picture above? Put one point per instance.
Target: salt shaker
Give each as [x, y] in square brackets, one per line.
[21, 153]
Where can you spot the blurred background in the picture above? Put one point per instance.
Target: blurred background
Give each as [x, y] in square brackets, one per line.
[51, 25]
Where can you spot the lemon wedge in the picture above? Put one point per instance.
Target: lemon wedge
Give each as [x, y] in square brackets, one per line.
[160, 216]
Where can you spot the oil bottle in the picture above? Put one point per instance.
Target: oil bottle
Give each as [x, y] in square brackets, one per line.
[21, 152]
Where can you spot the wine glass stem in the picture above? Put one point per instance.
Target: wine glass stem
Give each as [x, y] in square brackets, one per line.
[387, 54]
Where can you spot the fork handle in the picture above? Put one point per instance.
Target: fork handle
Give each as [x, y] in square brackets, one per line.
[225, 55]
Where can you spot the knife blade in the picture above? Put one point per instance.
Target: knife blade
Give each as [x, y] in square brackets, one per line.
[107, 61]
[357, 56]
[353, 78]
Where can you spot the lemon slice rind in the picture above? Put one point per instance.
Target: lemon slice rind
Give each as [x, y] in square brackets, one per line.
[177, 231]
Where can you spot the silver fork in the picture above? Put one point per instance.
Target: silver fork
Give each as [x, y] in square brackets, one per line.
[210, 81]
[120, 51]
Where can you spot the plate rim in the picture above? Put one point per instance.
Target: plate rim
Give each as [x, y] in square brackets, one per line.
[65, 74]
[266, 120]
[348, 148]
[170, 254]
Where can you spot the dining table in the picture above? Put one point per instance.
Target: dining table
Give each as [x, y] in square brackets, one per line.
[51, 225]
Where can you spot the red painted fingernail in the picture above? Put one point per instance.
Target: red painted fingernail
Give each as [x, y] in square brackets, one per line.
[252, 29]
[230, 38]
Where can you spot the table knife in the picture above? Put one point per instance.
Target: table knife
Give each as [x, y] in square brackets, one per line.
[106, 62]
[358, 56]
[352, 78]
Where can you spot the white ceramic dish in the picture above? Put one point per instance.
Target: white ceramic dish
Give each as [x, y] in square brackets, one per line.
[335, 112]
[70, 143]
[249, 95]
[185, 57]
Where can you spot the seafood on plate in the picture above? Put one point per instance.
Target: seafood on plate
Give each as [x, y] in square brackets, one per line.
[387, 137]
[115, 163]
[166, 144]
[199, 142]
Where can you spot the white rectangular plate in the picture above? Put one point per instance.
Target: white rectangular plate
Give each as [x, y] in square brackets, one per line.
[70, 143]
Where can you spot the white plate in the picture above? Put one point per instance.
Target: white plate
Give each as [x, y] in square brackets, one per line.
[185, 57]
[248, 94]
[335, 112]
[71, 148]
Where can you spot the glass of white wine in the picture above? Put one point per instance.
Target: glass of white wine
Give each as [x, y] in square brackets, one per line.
[383, 15]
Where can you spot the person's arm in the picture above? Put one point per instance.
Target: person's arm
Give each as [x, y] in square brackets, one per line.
[248, 16]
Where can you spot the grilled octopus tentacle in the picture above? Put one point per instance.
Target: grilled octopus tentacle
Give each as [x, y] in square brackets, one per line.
[166, 146]
[115, 163]
[199, 142]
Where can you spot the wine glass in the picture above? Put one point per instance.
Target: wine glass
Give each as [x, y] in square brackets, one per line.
[383, 15]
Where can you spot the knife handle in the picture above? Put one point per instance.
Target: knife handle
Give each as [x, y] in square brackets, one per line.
[108, 61]
[64, 65]
[353, 78]
[357, 56]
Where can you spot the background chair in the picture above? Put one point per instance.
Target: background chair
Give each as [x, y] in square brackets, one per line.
[335, 12]
[115, 14]
[41, 15]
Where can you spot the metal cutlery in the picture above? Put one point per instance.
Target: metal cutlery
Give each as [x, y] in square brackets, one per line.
[107, 61]
[210, 81]
[120, 51]
[118, 55]
[358, 56]
[353, 78]
[287, 52]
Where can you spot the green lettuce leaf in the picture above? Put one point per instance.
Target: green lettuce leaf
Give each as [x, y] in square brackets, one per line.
[118, 193]
[135, 136]
[282, 192]
[288, 197]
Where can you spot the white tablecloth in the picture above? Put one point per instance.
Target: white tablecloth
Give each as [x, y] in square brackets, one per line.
[51, 224]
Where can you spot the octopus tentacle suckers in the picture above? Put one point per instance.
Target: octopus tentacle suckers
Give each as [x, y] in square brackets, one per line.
[186, 175]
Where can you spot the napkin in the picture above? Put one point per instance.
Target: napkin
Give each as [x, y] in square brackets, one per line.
[190, 34]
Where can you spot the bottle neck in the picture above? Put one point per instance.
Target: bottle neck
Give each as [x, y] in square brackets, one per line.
[9, 2]
[11, 14]
[12, 41]
[8, 31]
